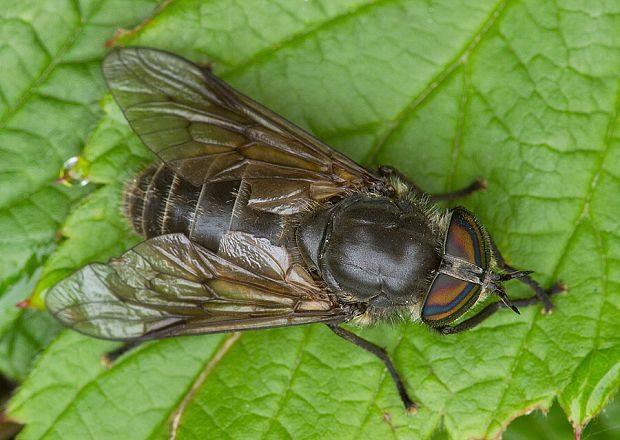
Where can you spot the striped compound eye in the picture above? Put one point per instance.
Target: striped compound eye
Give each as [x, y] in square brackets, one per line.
[450, 297]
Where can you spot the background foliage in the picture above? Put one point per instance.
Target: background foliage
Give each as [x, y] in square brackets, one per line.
[520, 92]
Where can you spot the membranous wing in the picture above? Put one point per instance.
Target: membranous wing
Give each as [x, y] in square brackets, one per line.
[207, 131]
[169, 286]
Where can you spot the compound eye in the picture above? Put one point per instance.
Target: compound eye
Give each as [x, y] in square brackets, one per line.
[450, 297]
[466, 239]
[447, 299]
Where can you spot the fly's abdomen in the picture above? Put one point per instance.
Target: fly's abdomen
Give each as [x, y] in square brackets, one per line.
[159, 202]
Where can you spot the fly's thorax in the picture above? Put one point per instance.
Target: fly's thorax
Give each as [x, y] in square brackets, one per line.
[372, 250]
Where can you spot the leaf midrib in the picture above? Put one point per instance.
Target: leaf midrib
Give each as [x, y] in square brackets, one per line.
[434, 85]
[270, 51]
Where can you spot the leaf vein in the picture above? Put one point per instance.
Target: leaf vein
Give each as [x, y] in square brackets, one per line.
[434, 84]
[270, 51]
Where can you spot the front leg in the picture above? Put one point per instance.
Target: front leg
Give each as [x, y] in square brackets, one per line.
[540, 295]
[525, 278]
[494, 307]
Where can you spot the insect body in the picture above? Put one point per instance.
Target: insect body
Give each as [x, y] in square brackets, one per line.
[250, 222]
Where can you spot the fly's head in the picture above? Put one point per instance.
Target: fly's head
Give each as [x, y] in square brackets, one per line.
[468, 270]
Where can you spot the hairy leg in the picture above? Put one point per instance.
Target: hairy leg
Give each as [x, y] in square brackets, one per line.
[525, 278]
[410, 406]
[494, 307]
[476, 185]
[111, 357]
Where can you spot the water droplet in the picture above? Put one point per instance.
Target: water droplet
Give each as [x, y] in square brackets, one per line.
[72, 173]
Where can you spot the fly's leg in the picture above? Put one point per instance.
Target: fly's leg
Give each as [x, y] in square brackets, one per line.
[525, 278]
[410, 406]
[476, 185]
[388, 171]
[111, 357]
[540, 296]
[494, 307]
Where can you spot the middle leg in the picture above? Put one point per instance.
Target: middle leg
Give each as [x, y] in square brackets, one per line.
[476, 185]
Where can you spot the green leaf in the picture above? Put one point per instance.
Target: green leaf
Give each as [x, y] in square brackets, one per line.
[28, 335]
[50, 84]
[524, 94]
[72, 394]
[553, 425]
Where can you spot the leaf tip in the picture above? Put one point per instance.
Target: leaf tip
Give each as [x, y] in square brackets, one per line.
[578, 429]
[25, 304]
